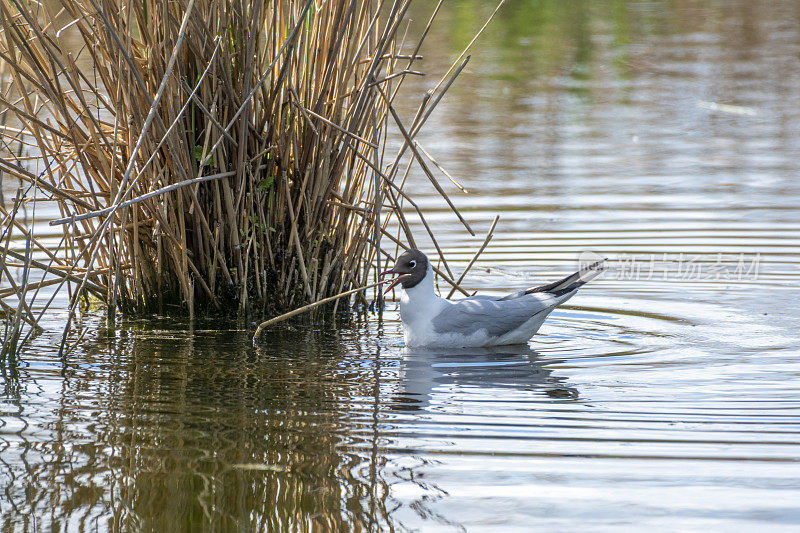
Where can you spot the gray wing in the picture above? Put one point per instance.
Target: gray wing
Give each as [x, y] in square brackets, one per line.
[501, 315]
[495, 316]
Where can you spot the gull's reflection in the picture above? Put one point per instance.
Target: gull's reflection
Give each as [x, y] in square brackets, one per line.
[497, 367]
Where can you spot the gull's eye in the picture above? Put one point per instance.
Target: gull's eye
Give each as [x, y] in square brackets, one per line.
[412, 263]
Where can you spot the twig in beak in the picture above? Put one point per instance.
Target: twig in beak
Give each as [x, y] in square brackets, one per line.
[308, 307]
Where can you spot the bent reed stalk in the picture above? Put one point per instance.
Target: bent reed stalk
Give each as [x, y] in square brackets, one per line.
[203, 154]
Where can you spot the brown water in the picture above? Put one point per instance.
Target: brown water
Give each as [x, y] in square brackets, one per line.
[666, 395]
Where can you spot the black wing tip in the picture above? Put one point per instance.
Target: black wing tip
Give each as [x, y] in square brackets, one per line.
[567, 284]
[594, 270]
[599, 265]
[573, 281]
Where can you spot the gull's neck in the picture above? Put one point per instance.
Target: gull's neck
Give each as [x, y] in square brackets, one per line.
[418, 306]
[420, 294]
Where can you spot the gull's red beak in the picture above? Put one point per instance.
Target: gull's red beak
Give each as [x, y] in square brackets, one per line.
[393, 283]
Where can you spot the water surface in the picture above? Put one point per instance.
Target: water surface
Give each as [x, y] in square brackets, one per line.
[663, 135]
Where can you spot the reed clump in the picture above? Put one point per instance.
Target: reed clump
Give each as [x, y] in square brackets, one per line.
[203, 155]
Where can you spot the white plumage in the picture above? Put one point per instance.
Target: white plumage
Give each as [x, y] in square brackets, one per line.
[429, 320]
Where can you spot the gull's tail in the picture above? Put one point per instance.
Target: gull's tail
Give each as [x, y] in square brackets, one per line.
[568, 284]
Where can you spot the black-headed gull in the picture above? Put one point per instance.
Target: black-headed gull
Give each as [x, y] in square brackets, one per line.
[429, 320]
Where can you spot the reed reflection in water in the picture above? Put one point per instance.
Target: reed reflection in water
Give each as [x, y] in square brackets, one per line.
[165, 428]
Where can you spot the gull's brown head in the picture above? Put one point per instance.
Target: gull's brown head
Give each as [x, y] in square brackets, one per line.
[410, 268]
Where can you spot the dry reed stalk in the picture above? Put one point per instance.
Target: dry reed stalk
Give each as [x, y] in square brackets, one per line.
[207, 153]
[475, 257]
